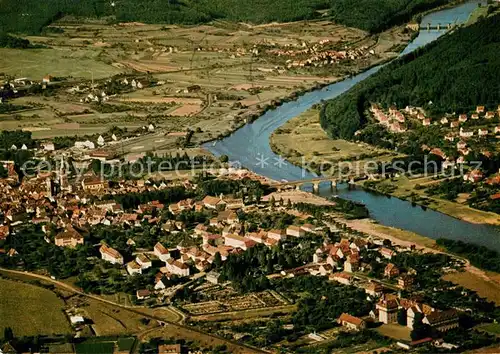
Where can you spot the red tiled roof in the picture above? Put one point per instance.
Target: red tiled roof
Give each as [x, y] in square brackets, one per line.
[345, 317]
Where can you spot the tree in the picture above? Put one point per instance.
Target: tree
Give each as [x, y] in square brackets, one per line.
[8, 334]
[224, 158]
[3, 172]
[420, 330]
[402, 317]
[217, 260]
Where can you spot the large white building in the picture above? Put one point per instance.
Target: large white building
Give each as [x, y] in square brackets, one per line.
[176, 267]
[161, 252]
[111, 255]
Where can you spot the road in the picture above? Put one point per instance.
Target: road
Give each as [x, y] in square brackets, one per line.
[244, 348]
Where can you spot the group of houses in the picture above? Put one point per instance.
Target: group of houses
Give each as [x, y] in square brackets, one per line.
[318, 54]
[343, 263]
[456, 131]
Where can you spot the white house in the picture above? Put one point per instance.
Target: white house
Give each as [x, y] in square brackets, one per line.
[178, 268]
[134, 268]
[161, 252]
[143, 261]
[295, 231]
[111, 255]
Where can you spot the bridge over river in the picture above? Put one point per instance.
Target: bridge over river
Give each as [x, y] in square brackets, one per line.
[331, 182]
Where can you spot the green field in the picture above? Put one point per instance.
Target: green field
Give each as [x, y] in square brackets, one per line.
[104, 346]
[96, 347]
[30, 310]
[493, 328]
[36, 63]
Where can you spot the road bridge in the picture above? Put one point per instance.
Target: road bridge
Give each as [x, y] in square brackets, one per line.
[331, 182]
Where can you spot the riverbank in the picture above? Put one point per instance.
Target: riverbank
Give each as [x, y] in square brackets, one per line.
[302, 139]
[302, 142]
[412, 191]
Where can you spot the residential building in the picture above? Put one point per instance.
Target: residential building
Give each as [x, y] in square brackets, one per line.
[442, 320]
[406, 281]
[358, 244]
[142, 294]
[374, 289]
[474, 176]
[134, 268]
[176, 267]
[213, 202]
[387, 311]
[161, 252]
[47, 79]
[342, 278]
[91, 184]
[161, 283]
[482, 132]
[351, 322]
[276, 234]
[489, 115]
[143, 261]
[387, 253]
[238, 241]
[351, 264]
[68, 238]
[308, 228]
[295, 231]
[169, 349]
[325, 269]
[111, 255]
[391, 270]
[213, 277]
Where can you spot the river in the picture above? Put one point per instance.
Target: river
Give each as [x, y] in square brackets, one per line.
[249, 146]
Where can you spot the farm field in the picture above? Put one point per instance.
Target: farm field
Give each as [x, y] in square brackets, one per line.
[489, 289]
[208, 78]
[37, 311]
[109, 320]
[203, 340]
[103, 346]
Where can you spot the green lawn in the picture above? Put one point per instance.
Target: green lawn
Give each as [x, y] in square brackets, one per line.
[95, 347]
[493, 328]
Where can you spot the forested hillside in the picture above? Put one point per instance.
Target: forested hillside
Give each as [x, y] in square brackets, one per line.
[30, 16]
[455, 73]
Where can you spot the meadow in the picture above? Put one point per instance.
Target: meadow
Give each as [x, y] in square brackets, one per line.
[31, 310]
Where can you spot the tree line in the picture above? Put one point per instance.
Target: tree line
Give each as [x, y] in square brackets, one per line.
[32, 16]
[479, 256]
